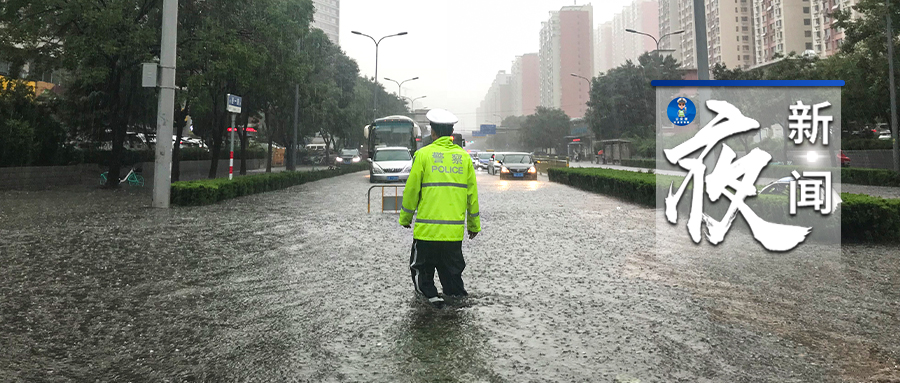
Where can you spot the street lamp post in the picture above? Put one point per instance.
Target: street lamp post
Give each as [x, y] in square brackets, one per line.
[377, 42]
[655, 40]
[412, 102]
[400, 84]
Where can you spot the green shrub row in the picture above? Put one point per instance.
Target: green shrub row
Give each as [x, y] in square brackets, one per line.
[866, 144]
[862, 218]
[858, 176]
[205, 192]
[875, 177]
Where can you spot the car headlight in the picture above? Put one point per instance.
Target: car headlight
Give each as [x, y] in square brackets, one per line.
[356, 159]
[339, 159]
[503, 169]
[532, 170]
[377, 169]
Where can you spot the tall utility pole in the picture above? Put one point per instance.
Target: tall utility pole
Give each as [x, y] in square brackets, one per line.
[700, 39]
[165, 114]
[892, 89]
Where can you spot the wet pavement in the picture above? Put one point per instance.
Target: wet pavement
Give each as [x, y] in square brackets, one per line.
[302, 285]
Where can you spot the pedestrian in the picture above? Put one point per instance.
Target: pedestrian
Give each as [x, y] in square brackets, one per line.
[442, 193]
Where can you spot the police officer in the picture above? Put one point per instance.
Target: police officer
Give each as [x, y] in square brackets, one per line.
[441, 187]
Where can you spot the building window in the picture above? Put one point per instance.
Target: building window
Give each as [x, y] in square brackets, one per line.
[805, 9]
[744, 28]
[805, 21]
[744, 18]
[808, 33]
[808, 45]
[746, 57]
[746, 47]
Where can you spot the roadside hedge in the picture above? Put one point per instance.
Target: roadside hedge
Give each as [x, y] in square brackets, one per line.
[205, 192]
[874, 177]
[862, 217]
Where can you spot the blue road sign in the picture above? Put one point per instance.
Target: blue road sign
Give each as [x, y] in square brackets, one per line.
[234, 103]
[489, 128]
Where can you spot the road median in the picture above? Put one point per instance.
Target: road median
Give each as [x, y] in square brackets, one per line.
[863, 218]
[206, 192]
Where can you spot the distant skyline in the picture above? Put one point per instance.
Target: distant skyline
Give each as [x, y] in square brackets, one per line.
[454, 47]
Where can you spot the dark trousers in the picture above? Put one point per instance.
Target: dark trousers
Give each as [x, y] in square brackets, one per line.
[446, 257]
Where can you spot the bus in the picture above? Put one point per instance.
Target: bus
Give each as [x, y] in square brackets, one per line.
[392, 131]
[457, 139]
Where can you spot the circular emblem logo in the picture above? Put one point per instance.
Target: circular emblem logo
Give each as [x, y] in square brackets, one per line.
[681, 111]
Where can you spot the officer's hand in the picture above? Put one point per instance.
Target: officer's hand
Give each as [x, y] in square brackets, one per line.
[407, 226]
[472, 234]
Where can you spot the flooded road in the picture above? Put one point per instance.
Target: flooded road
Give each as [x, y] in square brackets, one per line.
[302, 285]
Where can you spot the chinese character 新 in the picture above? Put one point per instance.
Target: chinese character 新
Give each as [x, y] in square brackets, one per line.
[802, 125]
[739, 176]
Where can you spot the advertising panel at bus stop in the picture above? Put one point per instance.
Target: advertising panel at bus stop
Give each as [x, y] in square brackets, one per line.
[748, 169]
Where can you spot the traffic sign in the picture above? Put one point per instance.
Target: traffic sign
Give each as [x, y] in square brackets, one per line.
[234, 104]
[488, 128]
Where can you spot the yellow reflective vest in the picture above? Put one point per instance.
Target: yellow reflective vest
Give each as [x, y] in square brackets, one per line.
[441, 187]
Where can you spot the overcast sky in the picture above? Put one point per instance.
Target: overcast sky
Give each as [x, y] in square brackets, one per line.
[455, 47]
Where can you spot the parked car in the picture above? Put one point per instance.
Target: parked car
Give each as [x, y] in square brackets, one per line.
[845, 161]
[494, 163]
[484, 159]
[390, 164]
[518, 166]
[347, 157]
[885, 135]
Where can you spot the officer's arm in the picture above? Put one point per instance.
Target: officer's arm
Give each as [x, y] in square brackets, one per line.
[473, 222]
[411, 193]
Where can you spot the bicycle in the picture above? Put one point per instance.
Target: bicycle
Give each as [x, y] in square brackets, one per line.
[132, 178]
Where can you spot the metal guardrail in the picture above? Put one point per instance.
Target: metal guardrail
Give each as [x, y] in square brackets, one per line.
[388, 202]
[544, 163]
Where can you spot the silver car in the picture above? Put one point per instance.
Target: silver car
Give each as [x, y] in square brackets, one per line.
[390, 164]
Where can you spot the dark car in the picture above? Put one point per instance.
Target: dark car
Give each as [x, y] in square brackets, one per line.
[518, 166]
[347, 157]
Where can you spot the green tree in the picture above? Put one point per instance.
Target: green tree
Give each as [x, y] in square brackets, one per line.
[100, 45]
[622, 101]
[545, 129]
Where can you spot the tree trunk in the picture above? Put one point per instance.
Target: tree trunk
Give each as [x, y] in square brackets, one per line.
[119, 129]
[244, 144]
[269, 157]
[180, 115]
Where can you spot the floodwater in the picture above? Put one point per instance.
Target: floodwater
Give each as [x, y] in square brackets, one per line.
[303, 285]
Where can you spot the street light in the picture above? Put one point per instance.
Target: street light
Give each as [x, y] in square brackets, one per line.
[400, 84]
[583, 78]
[377, 42]
[412, 102]
[629, 30]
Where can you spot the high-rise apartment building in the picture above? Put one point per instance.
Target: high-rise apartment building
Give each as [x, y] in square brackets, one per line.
[782, 26]
[525, 84]
[498, 102]
[670, 22]
[616, 46]
[827, 37]
[566, 47]
[328, 18]
[729, 33]
[603, 48]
